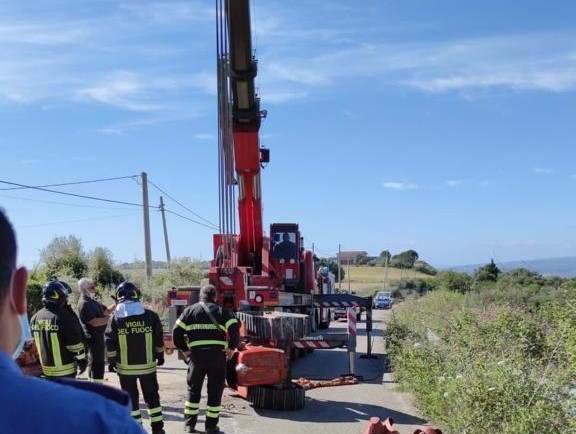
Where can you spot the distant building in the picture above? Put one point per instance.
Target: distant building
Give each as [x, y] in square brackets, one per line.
[351, 256]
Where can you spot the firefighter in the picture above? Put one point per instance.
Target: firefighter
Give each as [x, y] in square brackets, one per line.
[94, 317]
[135, 346]
[207, 334]
[58, 335]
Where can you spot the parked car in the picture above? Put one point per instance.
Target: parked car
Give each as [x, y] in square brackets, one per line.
[383, 300]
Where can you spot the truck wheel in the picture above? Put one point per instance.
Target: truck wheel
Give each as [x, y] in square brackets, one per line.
[288, 398]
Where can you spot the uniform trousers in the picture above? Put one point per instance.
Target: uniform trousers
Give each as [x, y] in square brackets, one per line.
[205, 362]
[149, 386]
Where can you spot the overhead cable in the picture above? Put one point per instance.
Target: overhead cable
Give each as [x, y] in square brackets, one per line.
[76, 195]
[71, 183]
[183, 206]
[211, 226]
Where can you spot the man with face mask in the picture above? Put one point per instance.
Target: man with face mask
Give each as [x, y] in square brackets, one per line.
[27, 404]
[94, 318]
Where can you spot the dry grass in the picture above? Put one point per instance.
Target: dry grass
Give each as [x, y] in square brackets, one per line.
[367, 280]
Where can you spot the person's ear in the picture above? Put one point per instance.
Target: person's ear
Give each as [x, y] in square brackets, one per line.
[19, 290]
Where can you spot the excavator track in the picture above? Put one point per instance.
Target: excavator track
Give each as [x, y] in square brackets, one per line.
[290, 397]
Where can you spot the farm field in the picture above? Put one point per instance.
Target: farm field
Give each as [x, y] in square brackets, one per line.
[366, 280]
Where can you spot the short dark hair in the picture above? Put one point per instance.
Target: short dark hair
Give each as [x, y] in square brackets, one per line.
[208, 292]
[7, 254]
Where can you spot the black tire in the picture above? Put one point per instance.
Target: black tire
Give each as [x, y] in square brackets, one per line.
[289, 398]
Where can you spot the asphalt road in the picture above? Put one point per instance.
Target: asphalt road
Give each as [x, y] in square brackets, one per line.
[334, 410]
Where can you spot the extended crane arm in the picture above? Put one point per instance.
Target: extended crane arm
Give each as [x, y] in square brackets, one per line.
[245, 118]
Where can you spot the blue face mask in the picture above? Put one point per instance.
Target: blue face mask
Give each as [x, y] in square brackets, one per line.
[25, 334]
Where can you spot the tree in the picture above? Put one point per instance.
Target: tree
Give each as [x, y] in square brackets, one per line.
[405, 259]
[102, 270]
[454, 281]
[384, 258]
[64, 256]
[182, 272]
[487, 273]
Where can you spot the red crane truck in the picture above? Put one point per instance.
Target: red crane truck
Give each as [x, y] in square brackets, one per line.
[270, 281]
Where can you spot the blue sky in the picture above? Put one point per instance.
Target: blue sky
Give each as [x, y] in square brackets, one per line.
[447, 127]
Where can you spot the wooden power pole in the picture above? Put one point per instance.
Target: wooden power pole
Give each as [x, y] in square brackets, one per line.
[146, 210]
[165, 231]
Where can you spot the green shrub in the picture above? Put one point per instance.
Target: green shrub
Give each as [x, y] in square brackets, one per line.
[488, 362]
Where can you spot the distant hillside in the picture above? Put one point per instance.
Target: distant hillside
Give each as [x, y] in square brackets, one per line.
[562, 267]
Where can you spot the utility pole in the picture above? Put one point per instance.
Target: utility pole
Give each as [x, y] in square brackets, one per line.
[386, 273]
[348, 273]
[146, 210]
[339, 277]
[165, 231]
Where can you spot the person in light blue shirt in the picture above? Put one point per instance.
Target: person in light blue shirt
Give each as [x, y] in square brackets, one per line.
[32, 405]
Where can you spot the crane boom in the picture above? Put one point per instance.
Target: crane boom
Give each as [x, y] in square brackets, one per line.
[245, 124]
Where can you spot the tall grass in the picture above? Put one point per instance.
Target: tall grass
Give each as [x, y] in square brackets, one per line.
[484, 362]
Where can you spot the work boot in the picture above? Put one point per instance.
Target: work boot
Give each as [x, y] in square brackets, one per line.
[158, 431]
[189, 428]
[215, 430]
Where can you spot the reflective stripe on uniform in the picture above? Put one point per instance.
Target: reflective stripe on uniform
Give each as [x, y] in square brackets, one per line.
[213, 412]
[230, 322]
[207, 342]
[123, 350]
[136, 414]
[155, 414]
[56, 355]
[147, 368]
[37, 341]
[77, 348]
[181, 324]
[191, 408]
[190, 327]
[111, 354]
[59, 371]
[149, 348]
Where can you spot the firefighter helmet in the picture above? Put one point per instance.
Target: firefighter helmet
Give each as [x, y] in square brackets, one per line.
[127, 291]
[55, 292]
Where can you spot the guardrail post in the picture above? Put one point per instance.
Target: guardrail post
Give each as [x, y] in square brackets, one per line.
[351, 314]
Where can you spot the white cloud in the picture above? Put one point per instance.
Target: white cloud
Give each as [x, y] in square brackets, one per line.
[399, 186]
[454, 182]
[122, 89]
[543, 170]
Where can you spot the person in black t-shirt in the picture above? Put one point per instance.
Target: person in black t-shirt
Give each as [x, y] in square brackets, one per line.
[94, 318]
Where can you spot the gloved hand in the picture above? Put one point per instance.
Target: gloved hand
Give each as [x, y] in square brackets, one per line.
[111, 366]
[160, 359]
[82, 364]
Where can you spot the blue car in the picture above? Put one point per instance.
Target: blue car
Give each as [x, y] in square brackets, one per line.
[383, 301]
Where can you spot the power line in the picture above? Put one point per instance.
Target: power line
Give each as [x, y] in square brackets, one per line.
[75, 205]
[76, 195]
[71, 183]
[211, 226]
[183, 206]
